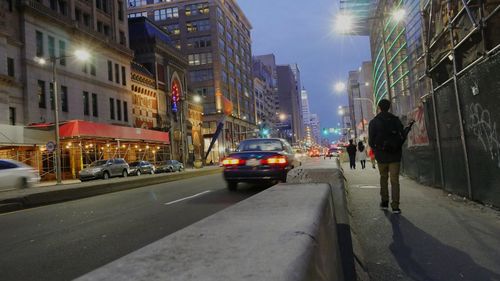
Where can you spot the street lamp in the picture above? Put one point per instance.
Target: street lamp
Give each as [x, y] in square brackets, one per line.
[81, 55]
[197, 99]
[340, 87]
[282, 117]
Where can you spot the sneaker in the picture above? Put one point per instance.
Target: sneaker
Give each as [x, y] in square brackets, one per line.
[384, 205]
[396, 210]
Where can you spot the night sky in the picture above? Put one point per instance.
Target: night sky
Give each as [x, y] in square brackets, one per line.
[302, 32]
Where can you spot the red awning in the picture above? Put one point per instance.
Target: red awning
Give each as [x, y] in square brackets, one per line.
[78, 128]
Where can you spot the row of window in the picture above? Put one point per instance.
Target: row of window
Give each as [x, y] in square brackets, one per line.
[117, 114]
[51, 47]
[42, 96]
[200, 59]
[201, 75]
[89, 100]
[117, 73]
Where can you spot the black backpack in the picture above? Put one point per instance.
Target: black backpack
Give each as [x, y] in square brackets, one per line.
[392, 137]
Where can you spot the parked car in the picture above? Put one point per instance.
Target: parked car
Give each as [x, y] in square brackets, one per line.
[141, 167]
[104, 169]
[259, 160]
[170, 166]
[14, 174]
[334, 152]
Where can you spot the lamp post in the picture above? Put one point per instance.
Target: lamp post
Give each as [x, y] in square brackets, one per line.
[81, 55]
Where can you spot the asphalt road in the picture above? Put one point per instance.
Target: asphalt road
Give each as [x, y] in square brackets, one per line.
[64, 241]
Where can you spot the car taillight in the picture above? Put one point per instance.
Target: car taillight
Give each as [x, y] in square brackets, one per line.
[232, 161]
[275, 160]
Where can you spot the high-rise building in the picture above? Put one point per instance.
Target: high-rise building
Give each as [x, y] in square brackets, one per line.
[306, 117]
[269, 60]
[315, 128]
[298, 86]
[289, 107]
[264, 95]
[215, 37]
[361, 104]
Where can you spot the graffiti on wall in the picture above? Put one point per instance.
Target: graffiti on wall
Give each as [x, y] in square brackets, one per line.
[479, 123]
[418, 134]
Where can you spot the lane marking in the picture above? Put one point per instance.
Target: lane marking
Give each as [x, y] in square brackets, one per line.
[187, 198]
[368, 186]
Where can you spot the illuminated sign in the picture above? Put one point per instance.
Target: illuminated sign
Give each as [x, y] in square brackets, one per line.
[176, 95]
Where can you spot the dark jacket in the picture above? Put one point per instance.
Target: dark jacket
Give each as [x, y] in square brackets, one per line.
[351, 150]
[376, 134]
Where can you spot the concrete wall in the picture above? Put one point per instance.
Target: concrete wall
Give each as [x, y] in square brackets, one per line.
[287, 232]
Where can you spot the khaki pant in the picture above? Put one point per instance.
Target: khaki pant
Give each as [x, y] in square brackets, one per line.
[392, 170]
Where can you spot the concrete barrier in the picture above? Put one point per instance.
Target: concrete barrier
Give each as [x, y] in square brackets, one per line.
[330, 172]
[39, 196]
[287, 232]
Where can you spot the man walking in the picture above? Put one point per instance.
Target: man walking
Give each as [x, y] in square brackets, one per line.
[351, 150]
[386, 138]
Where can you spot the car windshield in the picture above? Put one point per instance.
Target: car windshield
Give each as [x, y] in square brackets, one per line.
[260, 145]
[134, 164]
[98, 163]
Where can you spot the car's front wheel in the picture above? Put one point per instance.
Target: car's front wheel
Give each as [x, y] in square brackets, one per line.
[232, 185]
[125, 174]
[105, 175]
[23, 183]
[138, 172]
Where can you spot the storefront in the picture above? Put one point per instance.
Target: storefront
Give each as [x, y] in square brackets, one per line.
[83, 142]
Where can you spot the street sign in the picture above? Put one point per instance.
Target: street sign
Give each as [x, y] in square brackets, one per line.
[51, 146]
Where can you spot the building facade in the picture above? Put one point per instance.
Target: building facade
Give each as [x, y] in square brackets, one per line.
[215, 37]
[361, 104]
[96, 92]
[289, 108]
[315, 128]
[264, 95]
[306, 118]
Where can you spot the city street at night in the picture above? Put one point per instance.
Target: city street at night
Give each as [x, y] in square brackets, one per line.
[64, 241]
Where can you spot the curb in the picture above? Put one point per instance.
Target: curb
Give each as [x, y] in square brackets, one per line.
[99, 188]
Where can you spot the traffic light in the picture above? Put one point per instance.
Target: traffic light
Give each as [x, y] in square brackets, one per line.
[325, 131]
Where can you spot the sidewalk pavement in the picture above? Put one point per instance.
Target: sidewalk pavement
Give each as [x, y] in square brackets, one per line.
[438, 236]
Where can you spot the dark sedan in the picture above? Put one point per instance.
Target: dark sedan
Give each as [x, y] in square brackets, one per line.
[259, 160]
[170, 166]
[141, 167]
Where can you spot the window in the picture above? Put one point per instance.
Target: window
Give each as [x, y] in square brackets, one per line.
[112, 108]
[64, 98]
[106, 30]
[42, 99]
[119, 110]
[86, 20]
[195, 26]
[53, 5]
[12, 116]
[10, 67]
[223, 60]
[51, 95]
[120, 10]
[95, 109]
[123, 39]
[220, 28]
[200, 59]
[92, 67]
[99, 26]
[138, 15]
[164, 14]
[102, 5]
[222, 45]
[125, 111]
[39, 44]
[197, 9]
[201, 75]
[110, 71]
[117, 73]
[63, 7]
[86, 109]
[224, 76]
[172, 29]
[52, 47]
[199, 42]
[62, 52]
[124, 76]
[137, 3]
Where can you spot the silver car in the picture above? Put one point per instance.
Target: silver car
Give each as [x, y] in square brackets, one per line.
[14, 174]
[105, 169]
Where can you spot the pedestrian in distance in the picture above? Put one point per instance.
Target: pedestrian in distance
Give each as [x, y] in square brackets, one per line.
[361, 154]
[371, 154]
[386, 137]
[351, 150]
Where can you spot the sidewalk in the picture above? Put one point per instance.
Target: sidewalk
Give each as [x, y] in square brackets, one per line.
[437, 237]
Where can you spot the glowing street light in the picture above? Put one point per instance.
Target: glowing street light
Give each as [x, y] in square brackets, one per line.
[282, 117]
[82, 55]
[344, 23]
[399, 15]
[197, 99]
[340, 87]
